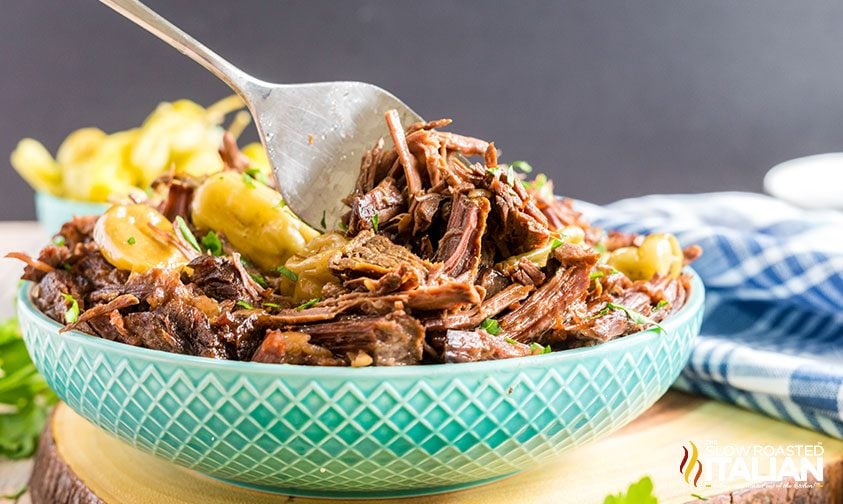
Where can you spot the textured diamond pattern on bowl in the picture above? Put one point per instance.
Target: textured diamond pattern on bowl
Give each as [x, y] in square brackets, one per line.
[295, 427]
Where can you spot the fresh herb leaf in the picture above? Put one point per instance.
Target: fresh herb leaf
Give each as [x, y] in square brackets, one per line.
[491, 326]
[510, 341]
[375, 221]
[596, 274]
[322, 222]
[661, 304]
[259, 279]
[308, 304]
[256, 174]
[71, 315]
[522, 166]
[343, 227]
[555, 244]
[287, 272]
[600, 247]
[640, 492]
[244, 304]
[58, 240]
[212, 243]
[24, 395]
[271, 305]
[131, 240]
[249, 180]
[186, 233]
[634, 316]
[539, 349]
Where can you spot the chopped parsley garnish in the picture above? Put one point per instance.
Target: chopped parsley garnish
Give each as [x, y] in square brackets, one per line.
[58, 240]
[510, 341]
[212, 243]
[244, 304]
[71, 315]
[343, 227]
[595, 275]
[322, 222]
[375, 222]
[271, 305]
[249, 180]
[555, 244]
[256, 174]
[634, 316]
[259, 279]
[522, 166]
[131, 240]
[287, 272]
[186, 233]
[491, 326]
[661, 304]
[540, 349]
[308, 304]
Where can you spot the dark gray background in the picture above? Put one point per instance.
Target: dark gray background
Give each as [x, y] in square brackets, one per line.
[611, 98]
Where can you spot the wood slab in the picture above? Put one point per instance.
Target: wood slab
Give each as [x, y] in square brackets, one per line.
[77, 462]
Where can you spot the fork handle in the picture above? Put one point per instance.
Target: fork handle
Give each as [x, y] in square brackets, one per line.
[152, 22]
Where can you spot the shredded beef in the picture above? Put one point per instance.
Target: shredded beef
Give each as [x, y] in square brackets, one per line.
[451, 256]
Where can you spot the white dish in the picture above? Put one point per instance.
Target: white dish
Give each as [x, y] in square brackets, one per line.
[810, 182]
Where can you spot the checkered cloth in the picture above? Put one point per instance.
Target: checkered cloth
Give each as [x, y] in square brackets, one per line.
[772, 338]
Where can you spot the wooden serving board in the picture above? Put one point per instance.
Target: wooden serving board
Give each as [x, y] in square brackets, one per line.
[77, 462]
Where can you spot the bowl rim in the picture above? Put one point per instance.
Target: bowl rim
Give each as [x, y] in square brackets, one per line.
[693, 306]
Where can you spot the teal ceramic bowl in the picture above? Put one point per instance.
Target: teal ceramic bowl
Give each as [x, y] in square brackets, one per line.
[53, 211]
[367, 432]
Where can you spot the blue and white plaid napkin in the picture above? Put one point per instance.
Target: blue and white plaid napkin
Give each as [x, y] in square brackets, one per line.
[772, 338]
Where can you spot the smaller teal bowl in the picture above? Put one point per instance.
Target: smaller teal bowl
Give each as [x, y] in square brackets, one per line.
[53, 212]
[367, 432]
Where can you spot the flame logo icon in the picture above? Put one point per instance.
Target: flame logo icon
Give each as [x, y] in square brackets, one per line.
[689, 462]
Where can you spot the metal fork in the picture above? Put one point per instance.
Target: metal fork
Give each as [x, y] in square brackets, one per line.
[314, 133]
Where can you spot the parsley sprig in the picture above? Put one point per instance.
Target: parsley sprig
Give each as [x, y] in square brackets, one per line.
[24, 395]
